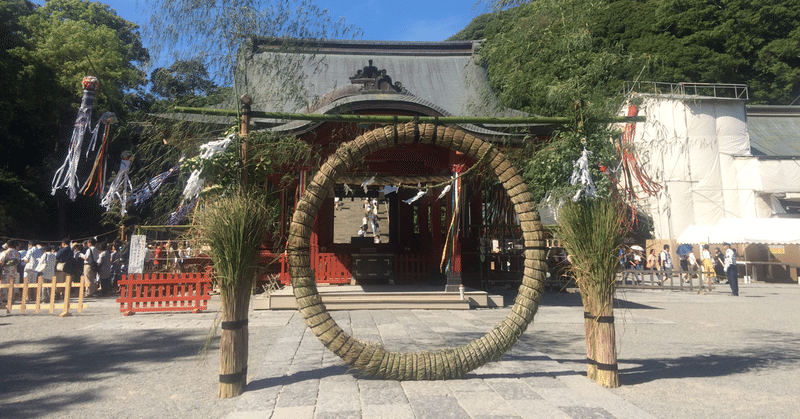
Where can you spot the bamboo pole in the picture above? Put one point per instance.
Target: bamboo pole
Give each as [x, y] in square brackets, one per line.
[391, 119]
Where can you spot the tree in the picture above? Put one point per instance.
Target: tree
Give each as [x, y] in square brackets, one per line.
[544, 60]
[46, 51]
[183, 80]
[76, 38]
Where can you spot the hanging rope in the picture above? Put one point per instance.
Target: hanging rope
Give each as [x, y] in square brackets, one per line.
[95, 183]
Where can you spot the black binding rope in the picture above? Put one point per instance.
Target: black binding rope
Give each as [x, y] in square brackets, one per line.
[601, 366]
[435, 129]
[395, 130]
[416, 129]
[233, 325]
[606, 367]
[598, 319]
[233, 378]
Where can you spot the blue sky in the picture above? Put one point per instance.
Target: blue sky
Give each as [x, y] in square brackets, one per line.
[406, 20]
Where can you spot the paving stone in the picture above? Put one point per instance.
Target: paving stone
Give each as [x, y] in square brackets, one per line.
[379, 392]
[388, 411]
[513, 389]
[294, 412]
[436, 407]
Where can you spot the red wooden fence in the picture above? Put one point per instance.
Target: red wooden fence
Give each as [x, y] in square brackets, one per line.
[164, 292]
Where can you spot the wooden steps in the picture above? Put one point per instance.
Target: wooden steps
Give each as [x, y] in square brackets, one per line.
[356, 297]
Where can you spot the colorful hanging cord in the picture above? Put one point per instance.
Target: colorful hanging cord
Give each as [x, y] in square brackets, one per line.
[66, 176]
[95, 183]
[630, 164]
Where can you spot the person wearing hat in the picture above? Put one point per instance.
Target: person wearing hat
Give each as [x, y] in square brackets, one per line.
[731, 271]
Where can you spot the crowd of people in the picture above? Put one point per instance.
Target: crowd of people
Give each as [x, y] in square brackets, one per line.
[102, 264]
[717, 268]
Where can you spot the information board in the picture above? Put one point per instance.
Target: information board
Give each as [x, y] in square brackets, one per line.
[136, 257]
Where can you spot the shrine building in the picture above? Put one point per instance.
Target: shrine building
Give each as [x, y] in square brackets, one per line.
[430, 228]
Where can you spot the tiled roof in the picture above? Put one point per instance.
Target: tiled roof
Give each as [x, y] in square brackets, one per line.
[774, 130]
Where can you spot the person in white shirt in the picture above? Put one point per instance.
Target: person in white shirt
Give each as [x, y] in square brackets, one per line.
[731, 272]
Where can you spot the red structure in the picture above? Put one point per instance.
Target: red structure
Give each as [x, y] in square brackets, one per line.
[164, 292]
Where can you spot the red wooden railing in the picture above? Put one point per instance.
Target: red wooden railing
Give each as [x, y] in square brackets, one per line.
[410, 268]
[164, 292]
[337, 268]
[333, 268]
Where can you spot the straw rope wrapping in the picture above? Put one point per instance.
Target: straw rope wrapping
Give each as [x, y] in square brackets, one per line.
[371, 358]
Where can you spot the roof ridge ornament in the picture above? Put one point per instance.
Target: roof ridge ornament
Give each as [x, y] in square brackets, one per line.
[376, 81]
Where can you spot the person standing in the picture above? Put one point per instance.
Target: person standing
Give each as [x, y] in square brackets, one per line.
[35, 251]
[104, 270]
[731, 271]
[9, 260]
[90, 264]
[64, 258]
[665, 262]
[719, 265]
[46, 266]
[708, 265]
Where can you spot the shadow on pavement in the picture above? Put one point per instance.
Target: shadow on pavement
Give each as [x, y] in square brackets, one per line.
[772, 351]
[82, 361]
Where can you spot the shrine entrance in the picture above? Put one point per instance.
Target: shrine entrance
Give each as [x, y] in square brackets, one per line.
[373, 359]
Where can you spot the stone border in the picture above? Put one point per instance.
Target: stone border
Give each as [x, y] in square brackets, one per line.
[371, 358]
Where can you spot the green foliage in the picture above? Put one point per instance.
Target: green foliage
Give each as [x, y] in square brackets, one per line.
[18, 204]
[543, 59]
[219, 35]
[182, 81]
[76, 38]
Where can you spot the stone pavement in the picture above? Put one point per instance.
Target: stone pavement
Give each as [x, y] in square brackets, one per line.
[681, 354]
[300, 378]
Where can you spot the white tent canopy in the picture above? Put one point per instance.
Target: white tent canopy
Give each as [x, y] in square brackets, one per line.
[745, 230]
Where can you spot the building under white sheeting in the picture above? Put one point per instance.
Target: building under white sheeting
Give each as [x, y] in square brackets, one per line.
[698, 148]
[721, 181]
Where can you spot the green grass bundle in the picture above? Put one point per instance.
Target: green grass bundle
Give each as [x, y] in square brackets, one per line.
[234, 228]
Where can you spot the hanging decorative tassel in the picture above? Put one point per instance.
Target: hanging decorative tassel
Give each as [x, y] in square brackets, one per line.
[444, 192]
[389, 189]
[183, 210]
[367, 182]
[120, 188]
[581, 174]
[207, 151]
[146, 191]
[420, 194]
[95, 184]
[452, 233]
[66, 176]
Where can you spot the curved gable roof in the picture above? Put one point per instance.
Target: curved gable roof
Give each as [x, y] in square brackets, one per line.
[437, 78]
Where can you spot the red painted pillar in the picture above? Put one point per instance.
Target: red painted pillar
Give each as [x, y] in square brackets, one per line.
[457, 199]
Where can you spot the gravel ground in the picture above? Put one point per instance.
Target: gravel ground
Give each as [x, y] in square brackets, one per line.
[681, 355]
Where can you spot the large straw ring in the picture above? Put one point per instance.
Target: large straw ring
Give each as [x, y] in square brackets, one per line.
[371, 358]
